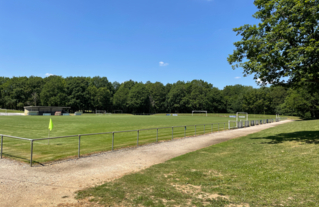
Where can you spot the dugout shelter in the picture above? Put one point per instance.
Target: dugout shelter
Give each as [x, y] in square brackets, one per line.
[40, 110]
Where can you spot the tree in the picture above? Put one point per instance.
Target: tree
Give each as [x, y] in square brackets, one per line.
[100, 82]
[277, 97]
[103, 97]
[284, 45]
[53, 92]
[215, 97]
[34, 98]
[116, 86]
[177, 97]
[301, 103]
[197, 95]
[120, 98]
[233, 96]
[76, 90]
[138, 99]
[157, 96]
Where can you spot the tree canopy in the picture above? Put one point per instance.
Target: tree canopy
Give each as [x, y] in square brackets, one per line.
[283, 49]
[97, 93]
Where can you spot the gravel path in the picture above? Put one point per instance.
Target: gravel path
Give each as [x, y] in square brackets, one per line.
[50, 185]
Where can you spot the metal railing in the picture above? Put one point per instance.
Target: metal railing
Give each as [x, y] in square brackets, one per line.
[240, 124]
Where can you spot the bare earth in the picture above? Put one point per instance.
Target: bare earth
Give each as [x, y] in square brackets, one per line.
[50, 185]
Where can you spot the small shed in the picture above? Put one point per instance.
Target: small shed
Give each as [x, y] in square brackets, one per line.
[40, 110]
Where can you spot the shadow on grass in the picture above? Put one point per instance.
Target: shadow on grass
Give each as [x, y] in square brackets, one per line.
[309, 137]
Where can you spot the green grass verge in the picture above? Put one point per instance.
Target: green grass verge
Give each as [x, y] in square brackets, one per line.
[10, 111]
[275, 167]
[44, 151]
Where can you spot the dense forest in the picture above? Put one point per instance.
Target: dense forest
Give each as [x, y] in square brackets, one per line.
[87, 93]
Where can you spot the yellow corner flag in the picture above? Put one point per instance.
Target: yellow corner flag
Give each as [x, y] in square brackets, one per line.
[51, 125]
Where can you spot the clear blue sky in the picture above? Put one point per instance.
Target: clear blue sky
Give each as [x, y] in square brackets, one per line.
[155, 40]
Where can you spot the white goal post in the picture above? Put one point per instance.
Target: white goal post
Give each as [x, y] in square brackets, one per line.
[198, 111]
[100, 111]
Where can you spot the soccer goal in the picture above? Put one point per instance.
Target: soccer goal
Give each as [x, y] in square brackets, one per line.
[100, 112]
[198, 111]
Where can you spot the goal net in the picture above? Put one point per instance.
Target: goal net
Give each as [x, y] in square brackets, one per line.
[199, 112]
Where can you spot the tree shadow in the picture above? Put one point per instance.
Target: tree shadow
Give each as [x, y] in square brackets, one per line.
[309, 137]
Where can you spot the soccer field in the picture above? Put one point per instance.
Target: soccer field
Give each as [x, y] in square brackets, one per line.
[35, 127]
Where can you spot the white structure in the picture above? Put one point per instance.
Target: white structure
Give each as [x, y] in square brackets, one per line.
[198, 111]
[241, 117]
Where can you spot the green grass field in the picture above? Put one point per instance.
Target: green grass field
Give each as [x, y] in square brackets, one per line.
[274, 167]
[35, 127]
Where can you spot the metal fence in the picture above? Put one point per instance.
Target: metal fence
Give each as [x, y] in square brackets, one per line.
[207, 128]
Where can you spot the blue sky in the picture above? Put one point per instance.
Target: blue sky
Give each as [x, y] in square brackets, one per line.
[155, 40]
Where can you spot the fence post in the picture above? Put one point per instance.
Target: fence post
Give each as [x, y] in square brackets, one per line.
[204, 128]
[79, 146]
[1, 145]
[112, 141]
[138, 133]
[157, 135]
[31, 153]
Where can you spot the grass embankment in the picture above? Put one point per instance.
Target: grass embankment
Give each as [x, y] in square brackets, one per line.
[11, 111]
[37, 127]
[276, 167]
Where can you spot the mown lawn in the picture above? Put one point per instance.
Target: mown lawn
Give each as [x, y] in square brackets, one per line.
[37, 127]
[275, 167]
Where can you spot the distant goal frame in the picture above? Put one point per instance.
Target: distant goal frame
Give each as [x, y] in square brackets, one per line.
[199, 111]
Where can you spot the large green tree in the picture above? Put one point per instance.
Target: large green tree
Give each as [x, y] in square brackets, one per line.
[157, 96]
[138, 99]
[120, 98]
[284, 47]
[77, 96]
[54, 92]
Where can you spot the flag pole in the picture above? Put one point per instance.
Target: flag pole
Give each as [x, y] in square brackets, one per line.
[49, 137]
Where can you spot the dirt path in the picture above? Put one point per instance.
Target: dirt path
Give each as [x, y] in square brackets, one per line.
[21, 185]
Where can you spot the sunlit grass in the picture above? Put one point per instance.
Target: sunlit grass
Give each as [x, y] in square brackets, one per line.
[35, 127]
[275, 167]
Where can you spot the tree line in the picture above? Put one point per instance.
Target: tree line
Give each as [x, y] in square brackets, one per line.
[97, 93]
